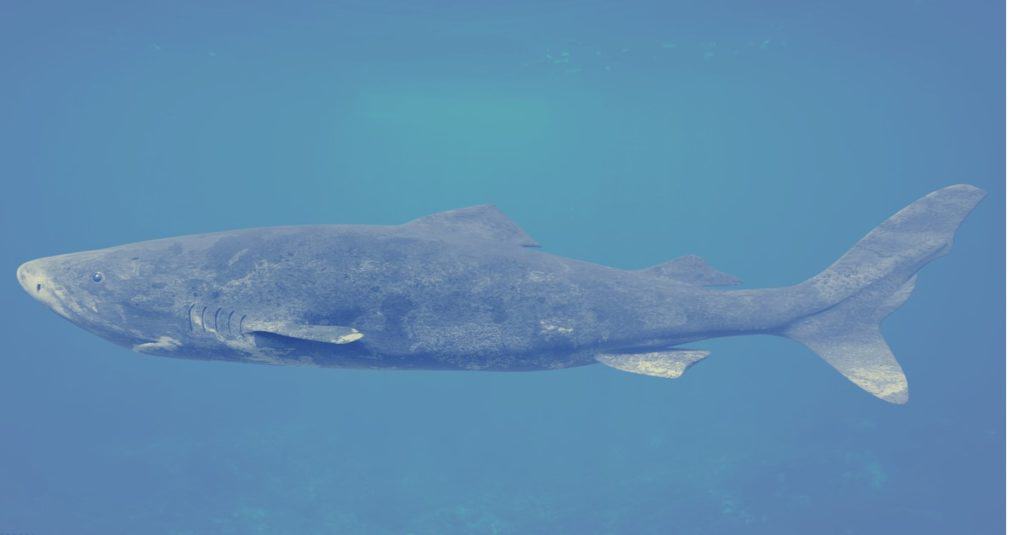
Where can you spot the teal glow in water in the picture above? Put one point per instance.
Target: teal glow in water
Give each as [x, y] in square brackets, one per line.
[765, 138]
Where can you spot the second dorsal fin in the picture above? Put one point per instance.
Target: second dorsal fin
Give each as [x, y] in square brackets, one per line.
[691, 269]
[482, 222]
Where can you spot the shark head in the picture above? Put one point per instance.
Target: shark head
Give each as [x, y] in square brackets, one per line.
[211, 296]
[126, 295]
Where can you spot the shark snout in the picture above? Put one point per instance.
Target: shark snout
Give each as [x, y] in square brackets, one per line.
[31, 276]
[38, 283]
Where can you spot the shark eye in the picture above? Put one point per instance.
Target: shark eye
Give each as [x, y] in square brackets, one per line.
[97, 277]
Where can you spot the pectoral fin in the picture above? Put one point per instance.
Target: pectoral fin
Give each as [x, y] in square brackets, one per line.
[325, 334]
[669, 364]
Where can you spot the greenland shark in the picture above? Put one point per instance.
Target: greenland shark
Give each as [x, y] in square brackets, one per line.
[469, 290]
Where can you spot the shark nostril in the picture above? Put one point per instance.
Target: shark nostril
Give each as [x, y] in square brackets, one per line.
[39, 286]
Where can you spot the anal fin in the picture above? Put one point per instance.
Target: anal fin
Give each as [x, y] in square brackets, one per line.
[670, 363]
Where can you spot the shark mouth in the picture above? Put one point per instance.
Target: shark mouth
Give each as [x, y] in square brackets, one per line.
[164, 343]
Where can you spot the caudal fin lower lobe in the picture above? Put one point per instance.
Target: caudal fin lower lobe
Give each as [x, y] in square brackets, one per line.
[871, 280]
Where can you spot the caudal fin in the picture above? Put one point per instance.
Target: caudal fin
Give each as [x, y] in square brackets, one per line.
[873, 279]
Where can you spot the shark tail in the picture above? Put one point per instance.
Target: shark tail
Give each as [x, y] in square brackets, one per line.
[873, 279]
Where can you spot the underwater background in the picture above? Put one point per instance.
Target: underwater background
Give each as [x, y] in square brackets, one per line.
[766, 137]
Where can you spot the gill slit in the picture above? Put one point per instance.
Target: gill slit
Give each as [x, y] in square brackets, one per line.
[214, 327]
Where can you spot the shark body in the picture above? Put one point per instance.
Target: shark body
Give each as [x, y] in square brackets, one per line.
[469, 290]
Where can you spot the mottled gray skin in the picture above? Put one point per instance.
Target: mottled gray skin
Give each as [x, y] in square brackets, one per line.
[421, 300]
[469, 290]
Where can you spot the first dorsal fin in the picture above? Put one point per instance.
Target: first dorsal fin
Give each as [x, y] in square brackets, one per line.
[692, 270]
[483, 222]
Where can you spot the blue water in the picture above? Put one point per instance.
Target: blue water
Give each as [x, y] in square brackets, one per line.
[766, 137]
